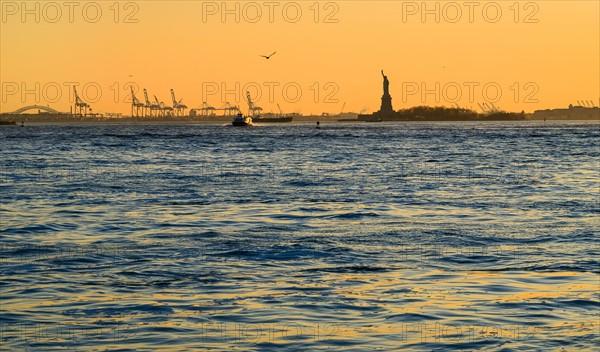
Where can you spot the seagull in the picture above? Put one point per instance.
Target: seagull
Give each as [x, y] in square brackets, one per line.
[268, 57]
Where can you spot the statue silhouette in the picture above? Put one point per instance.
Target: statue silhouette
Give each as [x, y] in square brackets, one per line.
[386, 99]
[386, 84]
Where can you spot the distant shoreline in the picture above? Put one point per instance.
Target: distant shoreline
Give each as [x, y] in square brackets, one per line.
[416, 114]
[329, 120]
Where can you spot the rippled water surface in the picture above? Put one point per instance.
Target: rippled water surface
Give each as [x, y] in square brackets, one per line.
[352, 237]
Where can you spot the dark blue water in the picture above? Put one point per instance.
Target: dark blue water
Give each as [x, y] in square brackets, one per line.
[353, 237]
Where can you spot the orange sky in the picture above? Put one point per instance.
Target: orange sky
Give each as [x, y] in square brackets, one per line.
[185, 45]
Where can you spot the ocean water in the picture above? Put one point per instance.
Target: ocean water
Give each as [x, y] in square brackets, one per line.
[352, 237]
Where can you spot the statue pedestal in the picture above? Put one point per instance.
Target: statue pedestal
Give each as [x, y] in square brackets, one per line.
[386, 104]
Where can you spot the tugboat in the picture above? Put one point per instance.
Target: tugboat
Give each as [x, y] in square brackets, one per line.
[241, 120]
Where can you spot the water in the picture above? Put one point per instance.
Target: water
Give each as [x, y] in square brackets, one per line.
[353, 237]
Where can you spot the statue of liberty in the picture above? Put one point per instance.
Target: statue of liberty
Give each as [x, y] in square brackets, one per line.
[386, 99]
[386, 84]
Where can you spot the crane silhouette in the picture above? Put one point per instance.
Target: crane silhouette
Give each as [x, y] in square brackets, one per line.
[268, 56]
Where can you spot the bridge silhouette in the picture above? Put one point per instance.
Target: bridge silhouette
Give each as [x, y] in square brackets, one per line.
[39, 107]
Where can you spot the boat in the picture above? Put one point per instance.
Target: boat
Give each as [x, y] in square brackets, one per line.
[373, 119]
[255, 112]
[4, 122]
[241, 120]
[273, 119]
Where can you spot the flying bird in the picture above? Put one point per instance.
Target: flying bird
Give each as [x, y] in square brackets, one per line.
[268, 57]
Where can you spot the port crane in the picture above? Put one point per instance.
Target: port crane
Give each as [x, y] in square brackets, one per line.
[586, 103]
[253, 110]
[178, 107]
[152, 110]
[137, 107]
[208, 110]
[342, 109]
[485, 108]
[160, 110]
[163, 110]
[488, 108]
[494, 108]
[229, 110]
[81, 107]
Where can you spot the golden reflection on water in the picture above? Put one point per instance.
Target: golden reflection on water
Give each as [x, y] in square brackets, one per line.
[356, 259]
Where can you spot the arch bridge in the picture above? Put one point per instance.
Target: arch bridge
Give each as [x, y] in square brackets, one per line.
[39, 107]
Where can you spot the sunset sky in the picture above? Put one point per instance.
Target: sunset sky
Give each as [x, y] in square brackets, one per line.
[540, 54]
